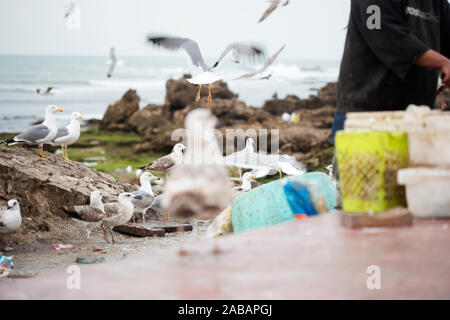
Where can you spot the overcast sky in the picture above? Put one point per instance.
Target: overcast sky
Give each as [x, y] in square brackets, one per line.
[310, 28]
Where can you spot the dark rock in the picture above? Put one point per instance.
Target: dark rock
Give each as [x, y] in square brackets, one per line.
[118, 114]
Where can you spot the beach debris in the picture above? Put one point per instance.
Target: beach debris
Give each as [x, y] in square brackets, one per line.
[127, 170]
[6, 266]
[40, 134]
[10, 217]
[68, 135]
[286, 117]
[165, 163]
[261, 70]
[207, 76]
[140, 231]
[273, 6]
[84, 260]
[392, 218]
[222, 225]
[295, 117]
[63, 246]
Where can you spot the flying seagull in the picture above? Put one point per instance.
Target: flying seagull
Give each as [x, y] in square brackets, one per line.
[113, 62]
[165, 163]
[146, 194]
[73, 17]
[46, 92]
[264, 68]
[273, 6]
[207, 76]
[40, 134]
[68, 134]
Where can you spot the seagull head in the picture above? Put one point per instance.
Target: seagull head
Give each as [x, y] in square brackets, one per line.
[147, 176]
[126, 196]
[179, 148]
[53, 109]
[12, 204]
[250, 142]
[76, 116]
[248, 177]
[96, 195]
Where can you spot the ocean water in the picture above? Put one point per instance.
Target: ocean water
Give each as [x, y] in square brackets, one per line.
[81, 84]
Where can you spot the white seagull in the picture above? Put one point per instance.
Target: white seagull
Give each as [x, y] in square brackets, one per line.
[263, 68]
[10, 218]
[40, 134]
[113, 62]
[73, 17]
[68, 135]
[208, 76]
[163, 164]
[46, 92]
[273, 6]
[146, 194]
[246, 186]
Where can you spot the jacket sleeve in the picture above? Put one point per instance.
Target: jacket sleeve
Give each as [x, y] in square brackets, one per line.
[445, 28]
[394, 44]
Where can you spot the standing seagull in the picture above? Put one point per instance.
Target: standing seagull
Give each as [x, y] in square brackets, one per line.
[10, 218]
[247, 180]
[114, 214]
[91, 214]
[165, 163]
[146, 192]
[207, 76]
[199, 186]
[264, 68]
[68, 135]
[40, 134]
[273, 6]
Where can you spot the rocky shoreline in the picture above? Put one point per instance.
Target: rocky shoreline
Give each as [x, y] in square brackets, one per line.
[155, 123]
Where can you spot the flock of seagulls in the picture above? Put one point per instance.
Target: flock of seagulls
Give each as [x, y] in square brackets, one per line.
[197, 181]
[48, 133]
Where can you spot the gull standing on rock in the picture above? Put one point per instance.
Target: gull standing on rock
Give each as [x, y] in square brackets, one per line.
[163, 164]
[68, 135]
[40, 134]
[146, 192]
[207, 76]
[199, 186]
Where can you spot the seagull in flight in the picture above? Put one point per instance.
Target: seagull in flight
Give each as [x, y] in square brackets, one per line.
[207, 76]
[273, 6]
[264, 68]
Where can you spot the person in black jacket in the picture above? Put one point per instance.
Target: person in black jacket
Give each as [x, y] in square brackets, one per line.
[396, 61]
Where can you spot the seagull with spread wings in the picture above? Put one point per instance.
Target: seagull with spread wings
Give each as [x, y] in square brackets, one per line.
[273, 6]
[263, 69]
[207, 76]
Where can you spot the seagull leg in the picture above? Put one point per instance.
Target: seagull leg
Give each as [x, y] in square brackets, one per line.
[112, 236]
[67, 153]
[197, 98]
[281, 174]
[209, 94]
[105, 235]
[41, 152]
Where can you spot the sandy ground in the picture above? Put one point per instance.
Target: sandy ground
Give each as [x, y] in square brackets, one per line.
[41, 258]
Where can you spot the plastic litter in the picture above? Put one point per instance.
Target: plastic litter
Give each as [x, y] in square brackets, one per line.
[6, 266]
[62, 246]
[84, 260]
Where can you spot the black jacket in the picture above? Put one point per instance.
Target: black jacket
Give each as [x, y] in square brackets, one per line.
[377, 70]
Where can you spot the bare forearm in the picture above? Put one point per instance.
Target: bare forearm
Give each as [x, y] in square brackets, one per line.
[435, 60]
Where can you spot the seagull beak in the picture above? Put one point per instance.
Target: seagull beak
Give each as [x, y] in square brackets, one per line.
[8, 207]
[59, 110]
[252, 177]
[80, 117]
[138, 197]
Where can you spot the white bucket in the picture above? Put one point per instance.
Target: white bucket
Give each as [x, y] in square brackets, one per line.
[427, 191]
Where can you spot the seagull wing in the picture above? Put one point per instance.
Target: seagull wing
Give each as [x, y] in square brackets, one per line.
[264, 68]
[188, 45]
[62, 133]
[86, 213]
[33, 134]
[273, 5]
[141, 204]
[240, 50]
[161, 165]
